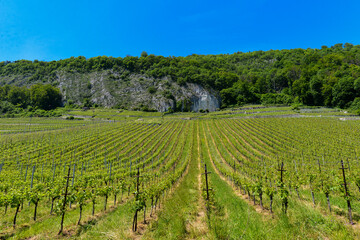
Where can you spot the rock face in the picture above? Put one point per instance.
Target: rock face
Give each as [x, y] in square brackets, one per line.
[131, 91]
[205, 100]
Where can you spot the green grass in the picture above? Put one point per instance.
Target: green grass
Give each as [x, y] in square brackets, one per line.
[115, 225]
[338, 204]
[47, 226]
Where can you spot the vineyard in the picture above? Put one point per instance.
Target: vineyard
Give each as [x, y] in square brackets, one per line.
[194, 176]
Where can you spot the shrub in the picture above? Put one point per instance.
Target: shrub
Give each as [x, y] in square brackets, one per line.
[355, 106]
[152, 90]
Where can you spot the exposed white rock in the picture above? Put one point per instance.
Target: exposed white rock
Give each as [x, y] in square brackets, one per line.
[108, 88]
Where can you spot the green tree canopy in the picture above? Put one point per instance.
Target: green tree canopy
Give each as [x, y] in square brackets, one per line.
[45, 96]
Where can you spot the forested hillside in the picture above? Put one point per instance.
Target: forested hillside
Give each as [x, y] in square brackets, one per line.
[329, 76]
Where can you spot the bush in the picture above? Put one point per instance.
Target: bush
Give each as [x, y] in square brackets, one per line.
[170, 110]
[276, 98]
[147, 109]
[6, 106]
[69, 104]
[167, 94]
[152, 90]
[41, 113]
[355, 106]
[296, 106]
[9, 115]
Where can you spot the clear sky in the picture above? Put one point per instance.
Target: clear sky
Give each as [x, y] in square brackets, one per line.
[58, 29]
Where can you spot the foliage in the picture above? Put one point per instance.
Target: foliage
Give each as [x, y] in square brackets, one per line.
[30, 101]
[45, 97]
[328, 76]
[355, 105]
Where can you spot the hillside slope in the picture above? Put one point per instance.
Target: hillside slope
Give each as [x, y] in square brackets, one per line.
[329, 76]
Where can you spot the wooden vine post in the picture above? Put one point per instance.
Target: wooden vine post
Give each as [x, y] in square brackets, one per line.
[134, 227]
[72, 182]
[207, 184]
[281, 172]
[347, 195]
[283, 190]
[64, 205]
[322, 183]
[234, 168]
[297, 178]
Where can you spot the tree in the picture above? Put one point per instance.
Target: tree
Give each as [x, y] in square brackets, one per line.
[87, 103]
[19, 96]
[315, 89]
[343, 92]
[357, 85]
[225, 79]
[45, 97]
[144, 54]
[228, 96]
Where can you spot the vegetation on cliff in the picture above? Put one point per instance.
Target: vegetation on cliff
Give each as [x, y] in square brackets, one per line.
[329, 76]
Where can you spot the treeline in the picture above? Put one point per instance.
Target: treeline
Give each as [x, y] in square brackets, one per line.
[329, 76]
[14, 99]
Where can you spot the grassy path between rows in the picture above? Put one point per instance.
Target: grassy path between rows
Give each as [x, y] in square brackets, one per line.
[184, 214]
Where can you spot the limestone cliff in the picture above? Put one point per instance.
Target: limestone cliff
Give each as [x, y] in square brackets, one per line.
[131, 91]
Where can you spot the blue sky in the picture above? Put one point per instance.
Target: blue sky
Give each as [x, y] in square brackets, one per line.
[52, 29]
